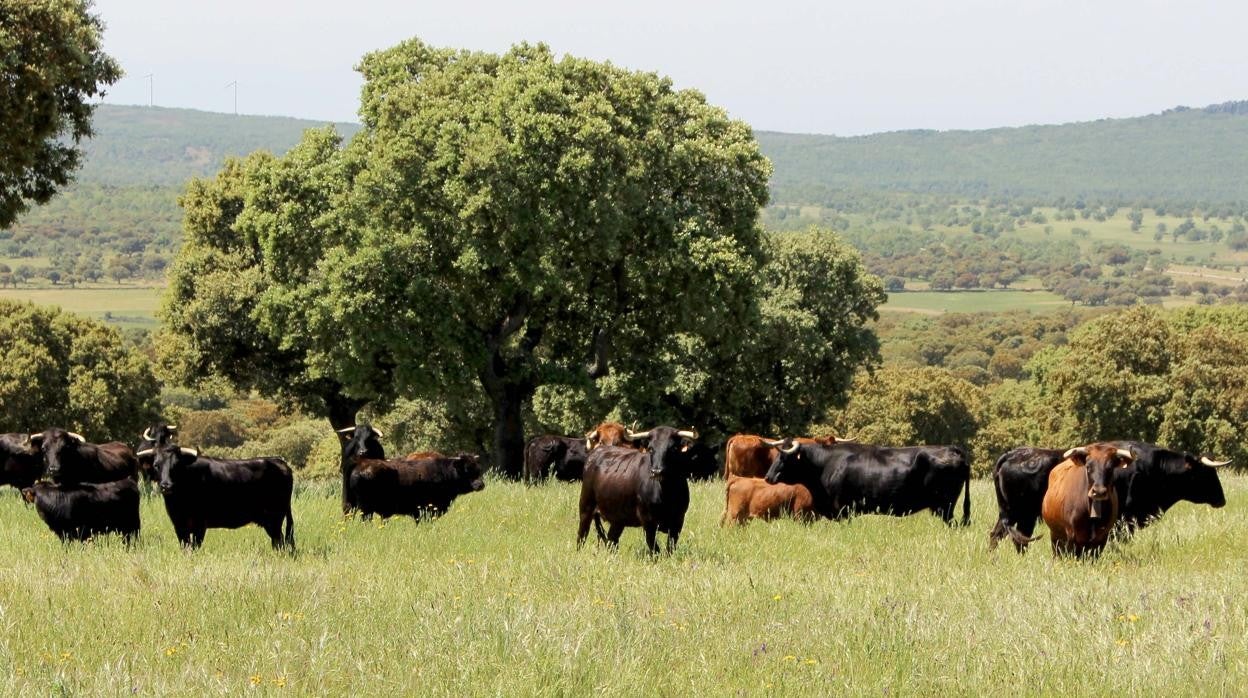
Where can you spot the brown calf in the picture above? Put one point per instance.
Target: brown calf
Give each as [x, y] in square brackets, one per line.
[753, 498]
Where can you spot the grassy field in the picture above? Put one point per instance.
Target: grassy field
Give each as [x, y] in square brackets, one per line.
[937, 302]
[494, 599]
[124, 306]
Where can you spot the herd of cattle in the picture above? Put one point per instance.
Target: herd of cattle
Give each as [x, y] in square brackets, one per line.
[628, 479]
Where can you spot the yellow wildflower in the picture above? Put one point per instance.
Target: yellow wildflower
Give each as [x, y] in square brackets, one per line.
[255, 679]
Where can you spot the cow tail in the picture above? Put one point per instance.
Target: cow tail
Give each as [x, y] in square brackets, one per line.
[966, 500]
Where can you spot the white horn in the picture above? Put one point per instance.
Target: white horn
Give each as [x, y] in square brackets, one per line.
[147, 434]
[839, 439]
[692, 434]
[791, 449]
[145, 452]
[378, 433]
[1214, 463]
[36, 437]
[1124, 453]
[1080, 450]
[633, 436]
[190, 452]
[348, 430]
[773, 442]
[78, 437]
[171, 427]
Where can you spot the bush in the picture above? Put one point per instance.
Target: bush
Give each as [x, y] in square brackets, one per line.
[294, 442]
[211, 429]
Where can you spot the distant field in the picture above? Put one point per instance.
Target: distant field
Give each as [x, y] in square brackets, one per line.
[124, 306]
[494, 599]
[938, 302]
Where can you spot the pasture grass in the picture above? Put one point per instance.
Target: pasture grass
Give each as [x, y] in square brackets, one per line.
[121, 305]
[493, 598]
[937, 302]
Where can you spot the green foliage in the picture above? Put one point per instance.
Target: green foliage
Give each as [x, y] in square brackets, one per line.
[57, 369]
[296, 442]
[51, 67]
[905, 406]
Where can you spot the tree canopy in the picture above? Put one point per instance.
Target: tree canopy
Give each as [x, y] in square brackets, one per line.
[58, 369]
[505, 223]
[51, 65]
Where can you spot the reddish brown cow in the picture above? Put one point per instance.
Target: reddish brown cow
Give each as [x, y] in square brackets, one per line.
[1081, 504]
[753, 498]
[608, 434]
[747, 455]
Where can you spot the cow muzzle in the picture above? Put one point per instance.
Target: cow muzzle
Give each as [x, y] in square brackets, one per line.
[166, 487]
[656, 474]
[1098, 497]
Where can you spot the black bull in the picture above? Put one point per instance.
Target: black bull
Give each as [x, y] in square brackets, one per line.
[851, 478]
[1156, 480]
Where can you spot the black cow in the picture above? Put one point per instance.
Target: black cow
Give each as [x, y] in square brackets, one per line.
[82, 510]
[562, 455]
[360, 441]
[202, 493]
[69, 458]
[704, 461]
[414, 487]
[1157, 479]
[20, 462]
[154, 437]
[848, 478]
[647, 488]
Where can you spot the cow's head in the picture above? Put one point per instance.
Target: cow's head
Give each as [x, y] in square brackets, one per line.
[170, 463]
[153, 437]
[787, 463]
[1194, 479]
[1100, 461]
[62, 456]
[668, 448]
[572, 465]
[607, 434]
[468, 469]
[360, 441]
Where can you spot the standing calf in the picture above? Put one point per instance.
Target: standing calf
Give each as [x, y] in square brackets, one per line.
[80, 511]
[413, 486]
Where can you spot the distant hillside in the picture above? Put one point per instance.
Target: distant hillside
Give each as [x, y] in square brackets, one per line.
[1181, 154]
[159, 146]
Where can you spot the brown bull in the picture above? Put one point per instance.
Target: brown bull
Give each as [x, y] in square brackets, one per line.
[753, 498]
[608, 434]
[747, 455]
[1081, 505]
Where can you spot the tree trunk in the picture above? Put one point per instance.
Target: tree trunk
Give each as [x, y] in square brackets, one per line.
[508, 406]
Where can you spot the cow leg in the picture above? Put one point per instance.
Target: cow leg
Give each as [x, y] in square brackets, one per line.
[197, 536]
[613, 535]
[583, 529]
[273, 527]
[602, 536]
[651, 531]
[183, 532]
[673, 535]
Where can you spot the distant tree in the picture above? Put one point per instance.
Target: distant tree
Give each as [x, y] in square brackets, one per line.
[51, 68]
[911, 406]
[894, 283]
[54, 276]
[60, 369]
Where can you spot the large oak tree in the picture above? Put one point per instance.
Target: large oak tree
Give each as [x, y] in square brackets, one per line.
[51, 66]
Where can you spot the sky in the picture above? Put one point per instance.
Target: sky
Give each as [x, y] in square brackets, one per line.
[832, 67]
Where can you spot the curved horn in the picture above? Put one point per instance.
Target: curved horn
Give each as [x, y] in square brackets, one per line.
[633, 436]
[839, 439]
[147, 434]
[378, 433]
[190, 452]
[1080, 450]
[590, 434]
[1124, 453]
[77, 437]
[171, 427]
[773, 442]
[145, 452]
[691, 434]
[791, 449]
[36, 437]
[1214, 463]
[348, 430]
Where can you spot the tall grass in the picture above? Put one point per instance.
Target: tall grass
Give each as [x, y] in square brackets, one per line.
[493, 598]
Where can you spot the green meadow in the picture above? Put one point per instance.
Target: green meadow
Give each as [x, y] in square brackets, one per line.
[494, 599]
[121, 305]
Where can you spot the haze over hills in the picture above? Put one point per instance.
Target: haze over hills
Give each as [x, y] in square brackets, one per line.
[125, 198]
